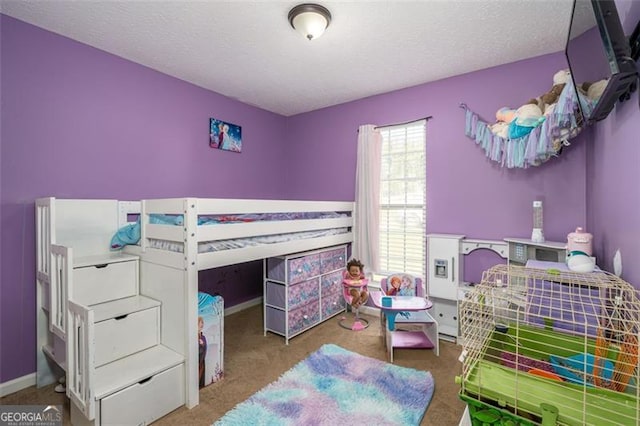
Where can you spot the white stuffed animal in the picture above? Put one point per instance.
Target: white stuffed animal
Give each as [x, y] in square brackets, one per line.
[561, 77]
[501, 129]
[529, 115]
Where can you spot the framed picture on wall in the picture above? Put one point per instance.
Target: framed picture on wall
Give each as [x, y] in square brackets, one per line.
[225, 136]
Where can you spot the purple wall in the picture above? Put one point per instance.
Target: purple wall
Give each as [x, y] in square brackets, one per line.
[466, 193]
[235, 283]
[81, 123]
[613, 173]
[478, 261]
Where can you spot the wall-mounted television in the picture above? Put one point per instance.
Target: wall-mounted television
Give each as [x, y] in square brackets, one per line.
[600, 58]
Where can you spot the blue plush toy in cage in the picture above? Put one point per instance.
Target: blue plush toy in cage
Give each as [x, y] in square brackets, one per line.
[573, 369]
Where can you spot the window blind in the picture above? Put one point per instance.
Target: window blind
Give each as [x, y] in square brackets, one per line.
[403, 199]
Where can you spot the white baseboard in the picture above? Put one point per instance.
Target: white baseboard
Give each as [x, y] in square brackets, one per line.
[242, 306]
[17, 384]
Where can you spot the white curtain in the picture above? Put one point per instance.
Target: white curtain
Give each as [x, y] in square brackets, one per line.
[367, 209]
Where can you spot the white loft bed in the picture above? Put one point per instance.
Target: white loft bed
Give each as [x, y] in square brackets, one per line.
[171, 277]
[190, 236]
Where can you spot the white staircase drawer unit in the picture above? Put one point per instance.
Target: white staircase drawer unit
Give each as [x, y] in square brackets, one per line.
[101, 283]
[118, 337]
[146, 401]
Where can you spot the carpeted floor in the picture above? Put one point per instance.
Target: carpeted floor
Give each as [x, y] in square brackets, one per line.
[252, 361]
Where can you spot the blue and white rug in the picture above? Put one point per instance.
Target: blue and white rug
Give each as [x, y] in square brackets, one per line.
[334, 386]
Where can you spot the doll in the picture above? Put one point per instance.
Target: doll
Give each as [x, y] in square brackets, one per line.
[354, 276]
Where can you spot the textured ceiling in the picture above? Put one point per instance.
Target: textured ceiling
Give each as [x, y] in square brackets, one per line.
[247, 50]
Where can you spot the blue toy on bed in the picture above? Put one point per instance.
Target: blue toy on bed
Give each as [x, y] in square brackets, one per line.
[130, 234]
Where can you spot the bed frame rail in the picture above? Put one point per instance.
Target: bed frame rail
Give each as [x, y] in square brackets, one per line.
[191, 209]
[223, 206]
[212, 206]
[254, 229]
[233, 256]
[190, 234]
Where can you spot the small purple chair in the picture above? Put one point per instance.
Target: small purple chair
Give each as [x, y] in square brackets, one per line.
[402, 284]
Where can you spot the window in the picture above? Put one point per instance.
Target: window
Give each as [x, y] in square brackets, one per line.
[403, 199]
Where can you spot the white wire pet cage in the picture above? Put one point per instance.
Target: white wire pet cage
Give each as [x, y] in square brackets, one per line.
[550, 347]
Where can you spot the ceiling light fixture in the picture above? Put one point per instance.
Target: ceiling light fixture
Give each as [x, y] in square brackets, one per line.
[309, 19]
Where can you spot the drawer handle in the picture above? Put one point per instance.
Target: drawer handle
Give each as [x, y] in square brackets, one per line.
[143, 381]
[104, 265]
[121, 317]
